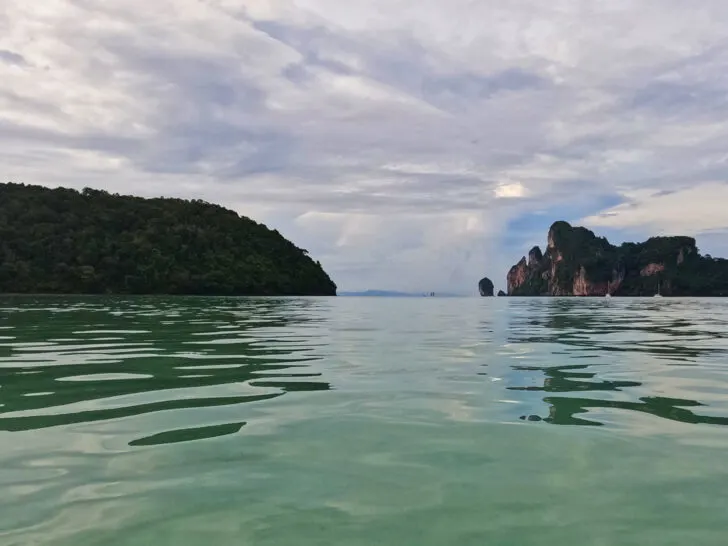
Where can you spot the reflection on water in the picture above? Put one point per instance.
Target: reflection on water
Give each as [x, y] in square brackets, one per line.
[299, 421]
[65, 361]
[630, 336]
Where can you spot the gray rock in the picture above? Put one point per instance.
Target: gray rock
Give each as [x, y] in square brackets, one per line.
[485, 287]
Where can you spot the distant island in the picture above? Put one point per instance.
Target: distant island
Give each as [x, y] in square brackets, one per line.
[396, 294]
[62, 241]
[578, 263]
[381, 294]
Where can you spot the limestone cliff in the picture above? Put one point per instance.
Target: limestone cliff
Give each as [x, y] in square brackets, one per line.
[578, 263]
[485, 287]
[518, 276]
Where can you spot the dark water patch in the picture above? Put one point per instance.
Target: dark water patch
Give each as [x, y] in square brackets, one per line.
[188, 434]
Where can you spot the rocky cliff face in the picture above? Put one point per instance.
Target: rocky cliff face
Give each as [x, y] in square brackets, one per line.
[578, 263]
[485, 287]
[517, 276]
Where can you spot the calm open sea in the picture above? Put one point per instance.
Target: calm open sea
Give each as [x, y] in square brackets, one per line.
[363, 421]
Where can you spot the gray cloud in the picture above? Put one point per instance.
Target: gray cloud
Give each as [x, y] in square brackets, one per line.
[465, 87]
[10, 57]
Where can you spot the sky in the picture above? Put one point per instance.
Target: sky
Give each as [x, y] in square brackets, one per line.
[413, 145]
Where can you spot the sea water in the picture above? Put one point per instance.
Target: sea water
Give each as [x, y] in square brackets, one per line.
[362, 421]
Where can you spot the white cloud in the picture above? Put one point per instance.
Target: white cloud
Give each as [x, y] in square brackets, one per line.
[394, 139]
[667, 213]
[515, 189]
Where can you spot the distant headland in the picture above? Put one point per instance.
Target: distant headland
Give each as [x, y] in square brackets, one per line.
[578, 263]
[398, 294]
[61, 241]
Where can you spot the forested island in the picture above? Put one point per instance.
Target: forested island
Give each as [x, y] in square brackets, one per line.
[61, 241]
[578, 263]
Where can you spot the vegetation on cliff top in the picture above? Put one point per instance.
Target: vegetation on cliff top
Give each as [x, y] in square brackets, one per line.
[685, 273]
[64, 241]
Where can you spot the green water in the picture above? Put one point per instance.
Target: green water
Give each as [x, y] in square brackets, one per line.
[357, 421]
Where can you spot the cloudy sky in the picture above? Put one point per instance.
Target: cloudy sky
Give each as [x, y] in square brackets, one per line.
[407, 144]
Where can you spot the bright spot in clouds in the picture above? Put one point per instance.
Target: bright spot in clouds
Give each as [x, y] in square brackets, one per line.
[510, 190]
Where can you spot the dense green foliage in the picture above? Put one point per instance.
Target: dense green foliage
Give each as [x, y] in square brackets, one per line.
[580, 247]
[685, 273]
[64, 241]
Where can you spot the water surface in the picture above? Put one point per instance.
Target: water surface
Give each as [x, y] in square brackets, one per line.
[357, 421]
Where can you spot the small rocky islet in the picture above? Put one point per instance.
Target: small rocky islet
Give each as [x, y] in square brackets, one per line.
[485, 287]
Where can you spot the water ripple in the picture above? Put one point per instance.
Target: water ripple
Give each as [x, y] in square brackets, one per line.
[69, 363]
[398, 421]
[563, 361]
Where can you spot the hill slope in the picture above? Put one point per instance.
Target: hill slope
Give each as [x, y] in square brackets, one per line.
[64, 241]
[578, 263]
